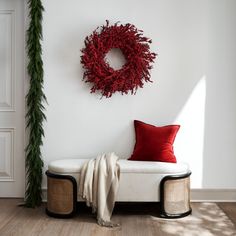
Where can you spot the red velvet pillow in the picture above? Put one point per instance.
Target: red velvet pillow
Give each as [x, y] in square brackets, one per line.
[154, 143]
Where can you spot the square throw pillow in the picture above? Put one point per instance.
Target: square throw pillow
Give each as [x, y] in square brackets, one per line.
[154, 143]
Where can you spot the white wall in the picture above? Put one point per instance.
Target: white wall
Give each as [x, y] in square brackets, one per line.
[193, 83]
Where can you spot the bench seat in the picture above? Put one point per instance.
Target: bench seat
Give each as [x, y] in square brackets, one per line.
[140, 181]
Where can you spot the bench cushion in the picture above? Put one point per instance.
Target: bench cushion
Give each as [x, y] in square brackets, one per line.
[74, 166]
[139, 180]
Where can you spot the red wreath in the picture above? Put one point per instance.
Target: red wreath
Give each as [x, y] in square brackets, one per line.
[135, 48]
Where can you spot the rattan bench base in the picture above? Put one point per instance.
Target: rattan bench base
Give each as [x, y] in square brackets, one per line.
[175, 196]
[61, 195]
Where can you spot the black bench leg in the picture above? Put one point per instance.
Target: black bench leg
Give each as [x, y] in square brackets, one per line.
[61, 195]
[175, 196]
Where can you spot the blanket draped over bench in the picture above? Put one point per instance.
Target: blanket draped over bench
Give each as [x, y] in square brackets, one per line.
[98, 186]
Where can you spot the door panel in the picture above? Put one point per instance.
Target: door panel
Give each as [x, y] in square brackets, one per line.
[6, 58]
[12, 122]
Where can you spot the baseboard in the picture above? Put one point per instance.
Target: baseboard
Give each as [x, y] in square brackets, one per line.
[197, 195]
[213, 195]
[44, 194]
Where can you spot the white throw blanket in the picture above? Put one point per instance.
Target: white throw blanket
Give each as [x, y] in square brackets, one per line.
[98, 185]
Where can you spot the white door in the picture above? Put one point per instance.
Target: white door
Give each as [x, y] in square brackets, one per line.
[12, 177]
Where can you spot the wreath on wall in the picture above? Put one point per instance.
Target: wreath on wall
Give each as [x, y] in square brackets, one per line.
[136, 50]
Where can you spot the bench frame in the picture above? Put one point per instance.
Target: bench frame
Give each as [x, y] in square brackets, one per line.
[73, 210]
[163, 212]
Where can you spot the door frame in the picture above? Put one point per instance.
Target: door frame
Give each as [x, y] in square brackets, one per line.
[25, 84]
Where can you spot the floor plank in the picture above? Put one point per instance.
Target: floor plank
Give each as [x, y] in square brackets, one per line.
[8, 210]
[230, 209]
[136, 219]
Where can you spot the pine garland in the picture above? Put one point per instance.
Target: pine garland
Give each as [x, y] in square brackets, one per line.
[34, 99]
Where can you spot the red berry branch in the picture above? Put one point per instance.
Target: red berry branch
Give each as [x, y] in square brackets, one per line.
[135, 48]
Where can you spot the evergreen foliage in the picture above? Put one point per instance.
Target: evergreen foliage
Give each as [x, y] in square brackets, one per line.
[35, 108]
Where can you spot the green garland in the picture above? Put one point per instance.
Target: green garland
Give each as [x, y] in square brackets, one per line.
[34, 99]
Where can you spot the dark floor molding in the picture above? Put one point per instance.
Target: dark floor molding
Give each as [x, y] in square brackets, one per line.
[198, 195]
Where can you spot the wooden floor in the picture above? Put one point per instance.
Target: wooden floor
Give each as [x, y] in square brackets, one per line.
[229, 209]
[135, 219]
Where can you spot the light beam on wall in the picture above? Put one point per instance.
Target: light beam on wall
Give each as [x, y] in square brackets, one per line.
[189, 142]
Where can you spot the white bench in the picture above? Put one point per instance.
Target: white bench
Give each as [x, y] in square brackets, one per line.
[140, 181]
